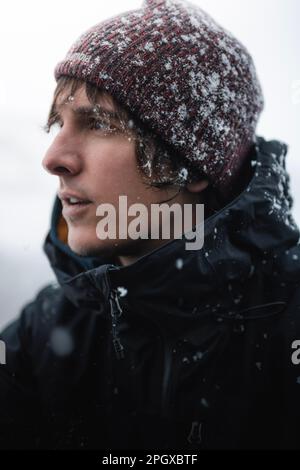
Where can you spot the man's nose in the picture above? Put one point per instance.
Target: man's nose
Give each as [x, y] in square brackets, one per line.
[61, 159]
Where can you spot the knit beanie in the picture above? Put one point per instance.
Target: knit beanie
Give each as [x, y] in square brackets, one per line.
[187, 79]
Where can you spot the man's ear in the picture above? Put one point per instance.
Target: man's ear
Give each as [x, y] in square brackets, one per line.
[197, 186]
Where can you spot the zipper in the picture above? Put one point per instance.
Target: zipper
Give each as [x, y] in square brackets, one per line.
[166, 378]
[116, 312]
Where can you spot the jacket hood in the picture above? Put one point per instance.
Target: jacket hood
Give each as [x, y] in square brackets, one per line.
[247, 264]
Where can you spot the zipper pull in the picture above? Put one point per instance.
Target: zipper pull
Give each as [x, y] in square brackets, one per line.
[195, 436]
[116, 311]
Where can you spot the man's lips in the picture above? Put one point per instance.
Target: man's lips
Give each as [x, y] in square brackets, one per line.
[72, 198]
[74, 204]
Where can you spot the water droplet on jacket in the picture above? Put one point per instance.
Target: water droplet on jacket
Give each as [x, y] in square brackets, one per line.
[122, 291]
[204, 403]
[198, 356]
[239, 329]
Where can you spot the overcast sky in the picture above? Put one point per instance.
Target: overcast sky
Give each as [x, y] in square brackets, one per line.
[34, 36]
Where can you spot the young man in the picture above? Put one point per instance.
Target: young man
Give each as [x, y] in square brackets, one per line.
[144, 344]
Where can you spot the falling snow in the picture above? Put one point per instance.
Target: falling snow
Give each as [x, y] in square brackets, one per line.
[179, 263]
[149, 46]
[183, 174]
[182, 112]
[61, 341]
[122, 291]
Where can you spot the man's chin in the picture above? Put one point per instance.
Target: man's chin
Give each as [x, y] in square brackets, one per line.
[95, 247]
[104, 247]
[90, 249]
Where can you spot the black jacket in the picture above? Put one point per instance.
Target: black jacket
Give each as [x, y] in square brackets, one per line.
[195, 354]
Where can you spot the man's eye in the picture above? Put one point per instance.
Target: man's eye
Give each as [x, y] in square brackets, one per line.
[100, 126]
[92, 124]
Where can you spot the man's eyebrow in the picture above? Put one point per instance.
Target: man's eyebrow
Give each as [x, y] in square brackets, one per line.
[89, 111]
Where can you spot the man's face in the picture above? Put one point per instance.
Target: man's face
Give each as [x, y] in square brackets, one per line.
[96, 166]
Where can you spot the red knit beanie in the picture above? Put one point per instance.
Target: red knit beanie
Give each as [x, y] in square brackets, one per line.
[187, 79]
